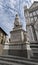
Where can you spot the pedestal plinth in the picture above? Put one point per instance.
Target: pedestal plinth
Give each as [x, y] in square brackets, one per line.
[17, 50]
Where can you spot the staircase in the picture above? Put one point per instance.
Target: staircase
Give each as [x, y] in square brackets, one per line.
[34, 47]
[15, 60]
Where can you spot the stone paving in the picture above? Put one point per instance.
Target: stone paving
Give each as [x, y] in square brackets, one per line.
[17, 61]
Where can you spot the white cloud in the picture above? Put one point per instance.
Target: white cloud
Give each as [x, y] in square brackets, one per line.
[12, 3]
[6, 15]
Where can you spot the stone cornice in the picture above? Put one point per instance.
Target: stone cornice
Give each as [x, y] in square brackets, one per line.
[18, 30]
[33, 9]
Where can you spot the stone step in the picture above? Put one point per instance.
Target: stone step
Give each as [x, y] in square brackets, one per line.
[19, 58]
[19, 61]
[35, 50]
[34, 57]
[8, 63]
[34, 43]
[34, 46]
[36, 54]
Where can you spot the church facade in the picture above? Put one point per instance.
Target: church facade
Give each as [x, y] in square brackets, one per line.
[31, 16]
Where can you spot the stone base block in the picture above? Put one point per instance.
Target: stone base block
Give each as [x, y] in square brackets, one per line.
[21, 53]
[5, 52]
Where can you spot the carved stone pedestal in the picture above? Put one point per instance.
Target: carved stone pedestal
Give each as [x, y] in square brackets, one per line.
[18, 50]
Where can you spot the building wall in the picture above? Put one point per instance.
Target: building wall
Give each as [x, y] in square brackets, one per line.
[31, 16]
[28, 25]
[34, 22]
[36, 28]
[1, 49]
[2, 37]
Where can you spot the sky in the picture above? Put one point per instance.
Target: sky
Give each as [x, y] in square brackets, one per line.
[8, 10]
